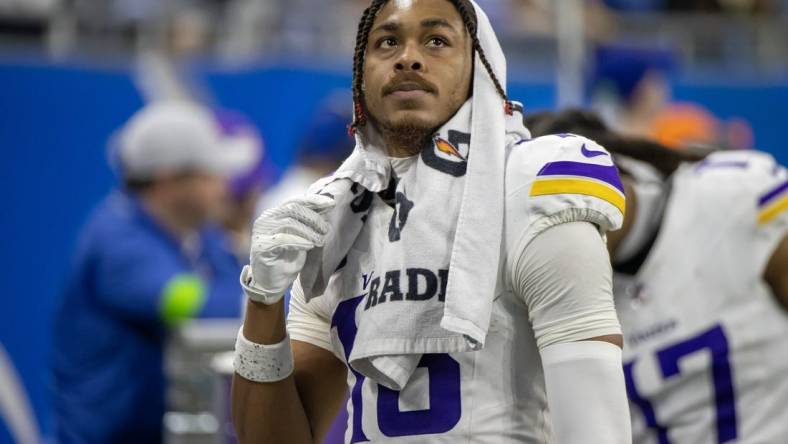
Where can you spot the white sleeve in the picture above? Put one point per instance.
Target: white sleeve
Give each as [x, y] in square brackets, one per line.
[308, 322]
[586, 393]
[564, 277]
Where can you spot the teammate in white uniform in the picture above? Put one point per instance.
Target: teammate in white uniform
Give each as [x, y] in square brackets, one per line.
[550, 369]
[702, 291]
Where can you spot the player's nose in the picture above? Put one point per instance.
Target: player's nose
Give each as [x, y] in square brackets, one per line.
[409, 59]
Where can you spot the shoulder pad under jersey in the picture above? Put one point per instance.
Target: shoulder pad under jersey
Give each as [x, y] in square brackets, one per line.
[563, 178]
[752, 179]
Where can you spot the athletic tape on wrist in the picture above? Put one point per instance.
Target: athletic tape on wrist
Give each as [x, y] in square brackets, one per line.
[262, 363]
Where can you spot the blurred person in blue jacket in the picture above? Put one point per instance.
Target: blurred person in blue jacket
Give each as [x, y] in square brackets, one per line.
[147, 260]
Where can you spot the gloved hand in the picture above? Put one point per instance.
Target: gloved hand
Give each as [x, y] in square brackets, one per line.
[281, 238]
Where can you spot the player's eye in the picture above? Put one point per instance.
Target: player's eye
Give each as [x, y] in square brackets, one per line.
[437, 42]
[387, 43]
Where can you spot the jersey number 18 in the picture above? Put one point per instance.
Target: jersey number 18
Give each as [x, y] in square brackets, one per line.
[444, 389]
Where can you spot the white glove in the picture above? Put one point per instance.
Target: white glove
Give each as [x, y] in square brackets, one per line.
[281, 237]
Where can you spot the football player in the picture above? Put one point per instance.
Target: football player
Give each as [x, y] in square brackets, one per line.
[549, 369]
[701, 288]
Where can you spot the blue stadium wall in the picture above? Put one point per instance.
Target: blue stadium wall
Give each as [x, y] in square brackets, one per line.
[55, 120]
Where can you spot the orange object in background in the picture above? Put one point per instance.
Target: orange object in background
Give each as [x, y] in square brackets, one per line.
[683, 124]
[686, 124]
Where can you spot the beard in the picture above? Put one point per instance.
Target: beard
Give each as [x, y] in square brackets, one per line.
[406, 137]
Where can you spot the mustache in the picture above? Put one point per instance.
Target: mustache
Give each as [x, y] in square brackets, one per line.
[409, 81]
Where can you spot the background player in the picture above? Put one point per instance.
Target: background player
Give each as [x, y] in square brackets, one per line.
[149, 259]
[701, 288]
[554, 338]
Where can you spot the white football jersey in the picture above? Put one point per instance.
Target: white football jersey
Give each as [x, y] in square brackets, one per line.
[706, 351]
[496, 395]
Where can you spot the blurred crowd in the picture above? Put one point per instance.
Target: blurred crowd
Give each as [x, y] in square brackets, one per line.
[730, 6]
[143, 8]
[702, 31]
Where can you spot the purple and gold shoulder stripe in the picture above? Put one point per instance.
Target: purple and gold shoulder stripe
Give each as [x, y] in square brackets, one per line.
[773, 203]
[587, 179]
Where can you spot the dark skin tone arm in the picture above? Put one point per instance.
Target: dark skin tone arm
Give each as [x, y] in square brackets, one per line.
[617, 340]
[301, 408]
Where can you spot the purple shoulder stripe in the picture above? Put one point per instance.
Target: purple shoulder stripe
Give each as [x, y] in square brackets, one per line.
[607, 174]
[767, 198]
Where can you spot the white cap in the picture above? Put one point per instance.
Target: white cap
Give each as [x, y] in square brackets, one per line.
[172, 137]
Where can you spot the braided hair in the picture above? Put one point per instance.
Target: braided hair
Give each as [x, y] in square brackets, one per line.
[468, 14]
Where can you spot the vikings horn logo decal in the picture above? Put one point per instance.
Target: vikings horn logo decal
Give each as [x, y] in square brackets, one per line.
[447, 148]
[447, 156]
